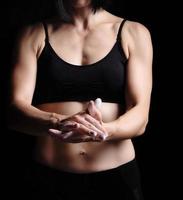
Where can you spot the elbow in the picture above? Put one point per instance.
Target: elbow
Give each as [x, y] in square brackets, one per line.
[143, 126]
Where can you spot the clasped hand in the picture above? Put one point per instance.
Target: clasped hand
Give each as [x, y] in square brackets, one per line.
[85, 126]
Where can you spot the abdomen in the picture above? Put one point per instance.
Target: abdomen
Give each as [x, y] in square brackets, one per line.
[88, 156]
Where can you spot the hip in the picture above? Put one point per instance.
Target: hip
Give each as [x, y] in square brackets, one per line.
[122, 182]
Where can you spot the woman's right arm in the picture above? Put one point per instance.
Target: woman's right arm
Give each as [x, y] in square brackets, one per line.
[22, 116]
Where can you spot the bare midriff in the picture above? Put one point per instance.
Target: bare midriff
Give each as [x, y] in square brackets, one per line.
[83, 157]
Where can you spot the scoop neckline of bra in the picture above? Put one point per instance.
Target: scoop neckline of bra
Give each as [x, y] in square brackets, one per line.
[81, 66]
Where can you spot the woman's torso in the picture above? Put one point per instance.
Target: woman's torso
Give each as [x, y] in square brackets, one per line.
[81, 51]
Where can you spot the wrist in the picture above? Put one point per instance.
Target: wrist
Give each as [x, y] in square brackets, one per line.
[110, 128]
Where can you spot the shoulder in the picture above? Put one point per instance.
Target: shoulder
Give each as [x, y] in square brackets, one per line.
[132, 29]
[31, 34]
[136, 33]
[137, 39]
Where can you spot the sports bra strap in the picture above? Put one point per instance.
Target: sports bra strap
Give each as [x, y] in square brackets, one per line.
[120, 29]
[46, 32]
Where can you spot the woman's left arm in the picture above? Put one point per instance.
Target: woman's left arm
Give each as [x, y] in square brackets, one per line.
[138, 85]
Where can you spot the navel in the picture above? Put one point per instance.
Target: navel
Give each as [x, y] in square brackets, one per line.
[82, 153]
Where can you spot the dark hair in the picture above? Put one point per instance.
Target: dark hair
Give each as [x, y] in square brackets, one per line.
[64, 9]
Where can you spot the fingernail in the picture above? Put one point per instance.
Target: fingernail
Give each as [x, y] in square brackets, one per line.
[75, 125]
[92, 102]
[93, 133]
[103, 136]
[98, 102]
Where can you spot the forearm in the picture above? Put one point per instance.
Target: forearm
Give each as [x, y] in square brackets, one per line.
[129, 125]
[30, 120]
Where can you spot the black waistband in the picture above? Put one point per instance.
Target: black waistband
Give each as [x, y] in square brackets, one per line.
[37, 167]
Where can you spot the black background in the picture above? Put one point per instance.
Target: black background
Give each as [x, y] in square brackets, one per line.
[153, 148]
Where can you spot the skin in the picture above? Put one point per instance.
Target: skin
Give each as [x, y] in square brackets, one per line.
[79, 136]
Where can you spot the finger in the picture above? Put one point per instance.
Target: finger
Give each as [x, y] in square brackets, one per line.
[67, 134]
[66, 127]
[60, 135]
[94, 132]
[98, 103]
[94, 111]
[55, 134]
[54, 131]
[67, 123]
[76, 127]
[98, 114]
[85, 138]
[94, 123]
[102, 135]
[84, 130]
[72, 137]
[76, 138]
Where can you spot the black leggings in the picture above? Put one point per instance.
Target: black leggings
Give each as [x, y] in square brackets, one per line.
[42, 182]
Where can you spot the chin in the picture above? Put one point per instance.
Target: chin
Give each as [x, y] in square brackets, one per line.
[81, 3]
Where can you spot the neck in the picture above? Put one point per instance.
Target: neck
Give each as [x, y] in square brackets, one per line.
[83, 17]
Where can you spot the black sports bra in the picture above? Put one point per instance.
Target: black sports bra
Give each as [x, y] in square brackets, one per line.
[58, 80]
